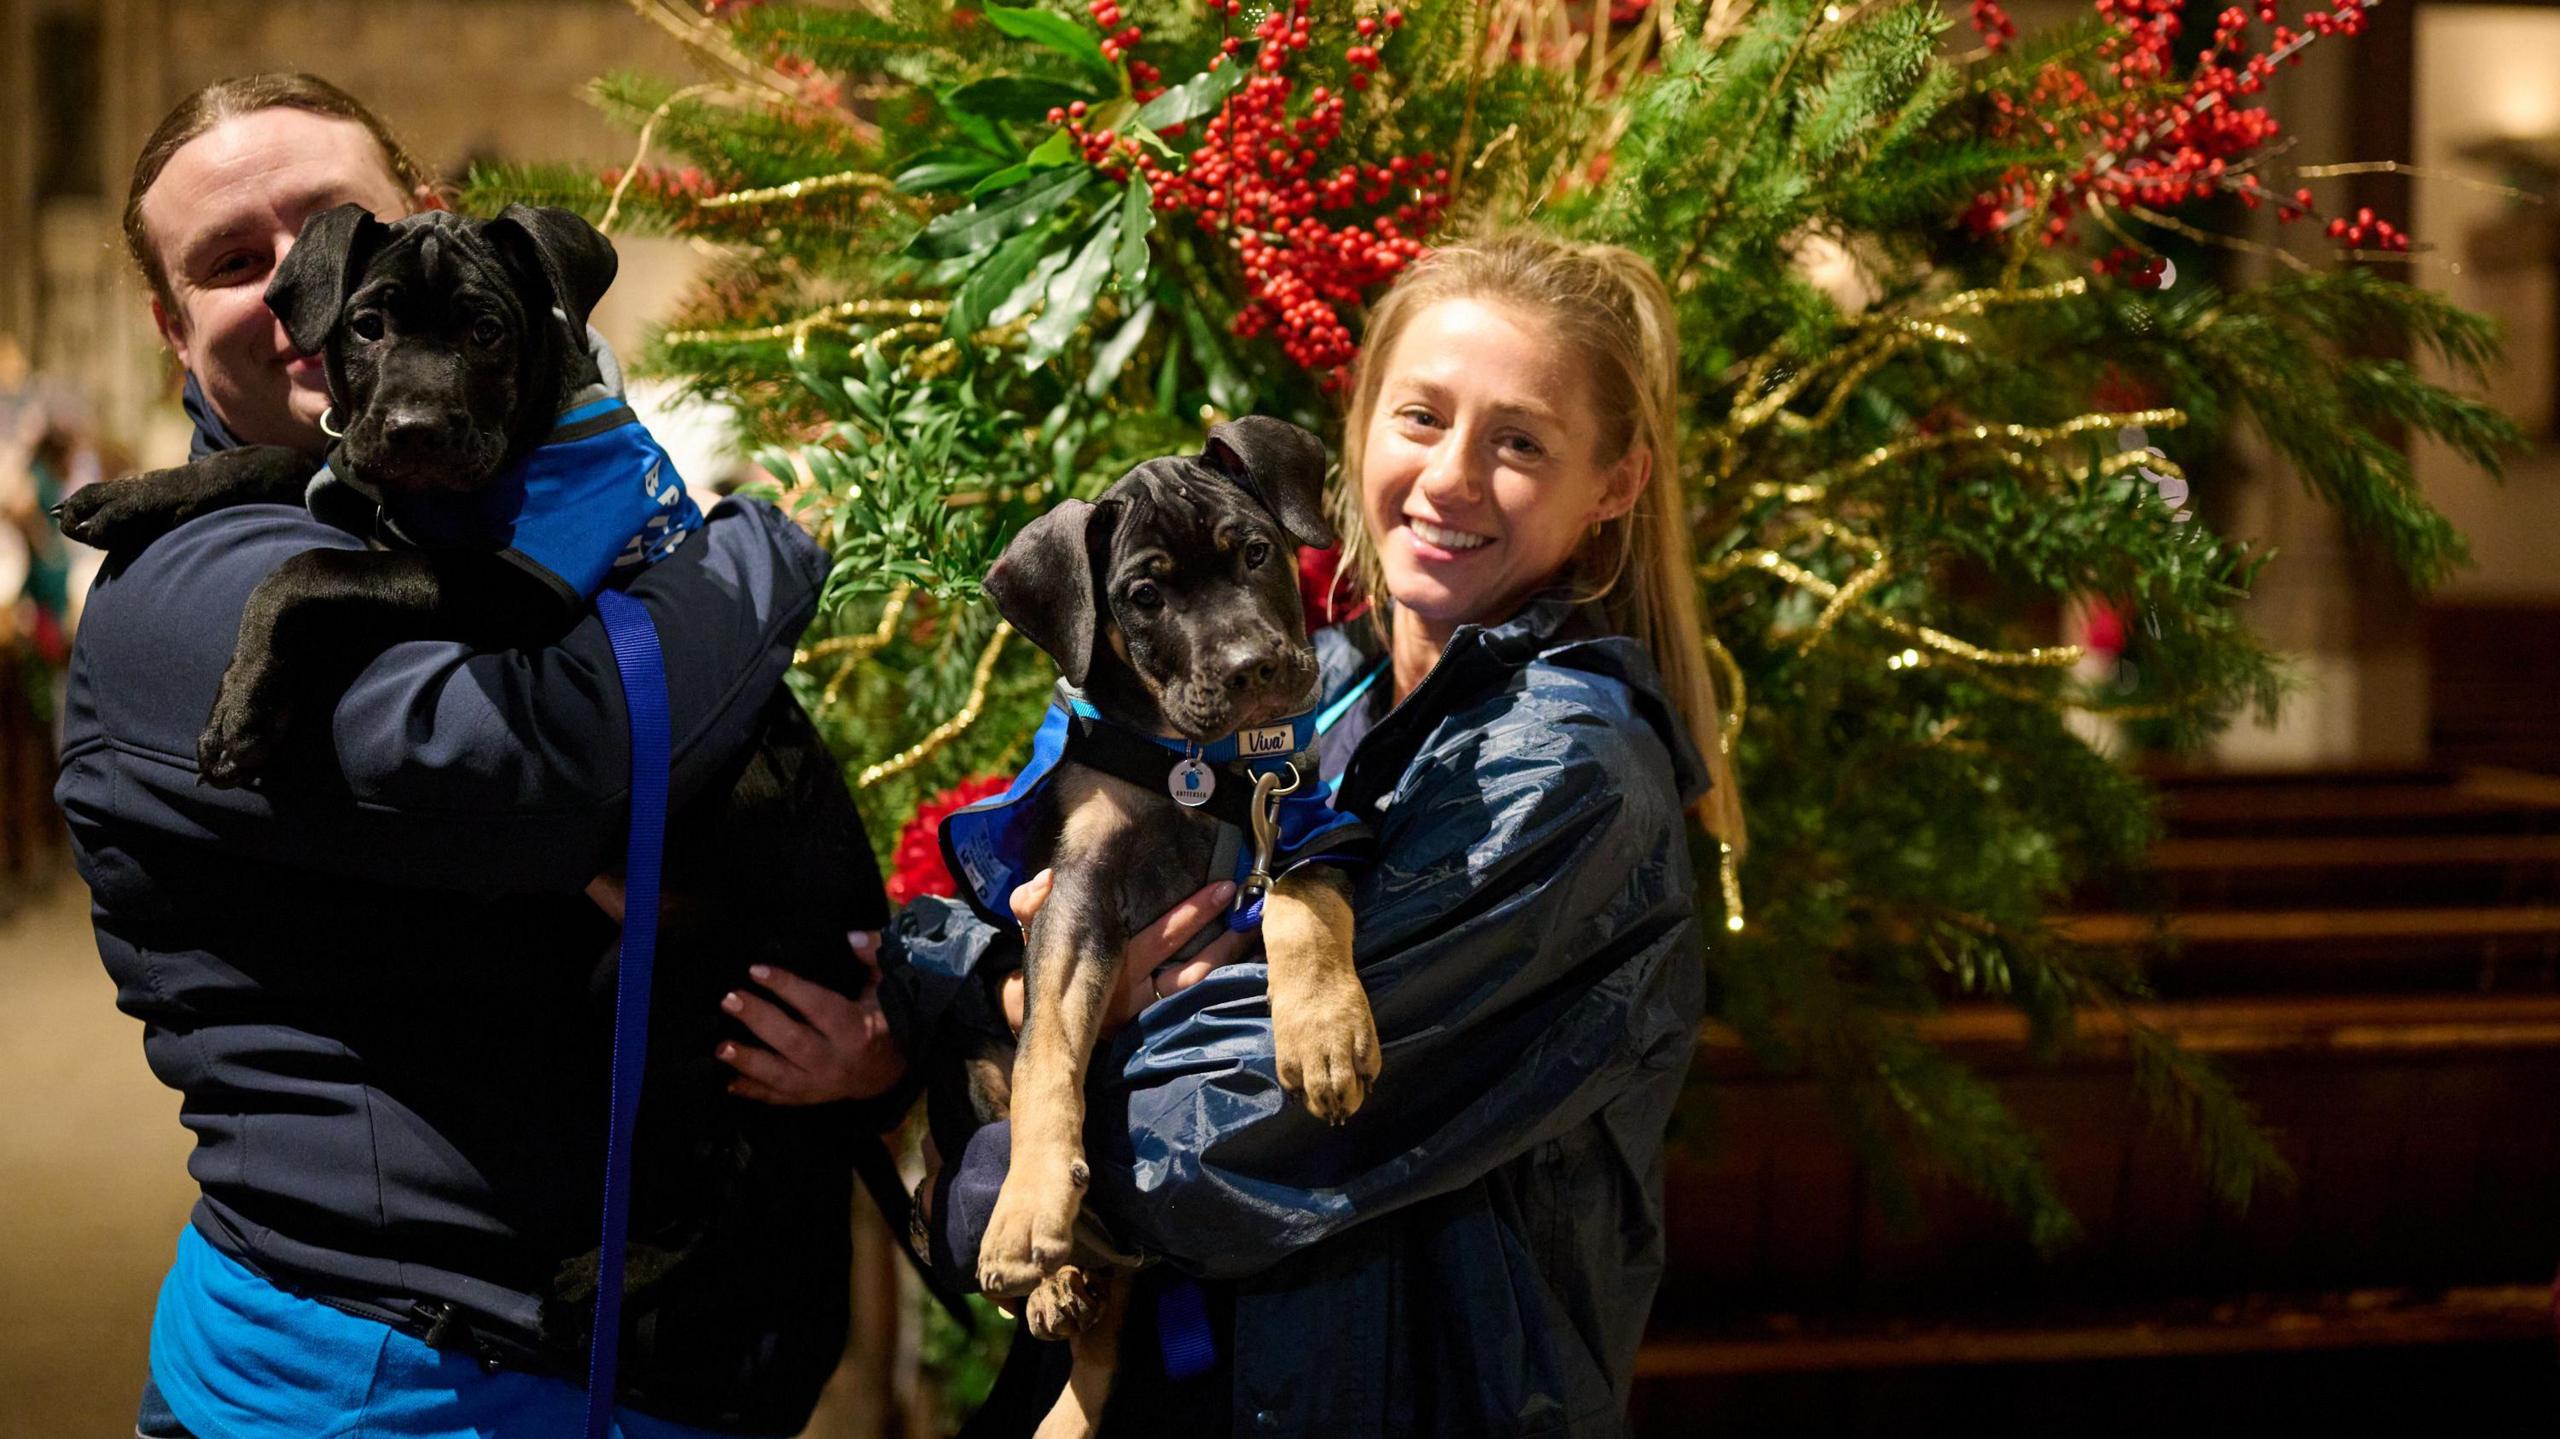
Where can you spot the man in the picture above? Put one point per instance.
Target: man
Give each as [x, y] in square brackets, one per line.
[374, 991]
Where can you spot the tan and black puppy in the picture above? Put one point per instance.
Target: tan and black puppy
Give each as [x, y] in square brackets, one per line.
[1171, 603]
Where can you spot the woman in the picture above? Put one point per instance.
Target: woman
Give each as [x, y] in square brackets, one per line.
[1476, 1251]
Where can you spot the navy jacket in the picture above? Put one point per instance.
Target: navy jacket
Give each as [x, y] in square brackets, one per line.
[367, 981]
[1477, 1250]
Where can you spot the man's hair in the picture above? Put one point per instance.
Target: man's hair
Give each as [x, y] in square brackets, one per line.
[247, 95]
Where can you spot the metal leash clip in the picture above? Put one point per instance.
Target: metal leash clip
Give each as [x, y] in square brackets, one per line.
[1268, 791]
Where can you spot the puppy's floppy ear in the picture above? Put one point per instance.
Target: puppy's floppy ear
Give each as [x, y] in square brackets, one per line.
[1280, 465]
[310, 287]
[573, 258]
[1043, 584]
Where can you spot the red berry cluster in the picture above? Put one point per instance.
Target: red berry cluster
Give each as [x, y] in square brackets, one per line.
[1993, 24]
[2143, 272]
[1628, 12]
[1117, 41]
[2135, 150]
[916, 868]
[1257, 179]
[2366, 230]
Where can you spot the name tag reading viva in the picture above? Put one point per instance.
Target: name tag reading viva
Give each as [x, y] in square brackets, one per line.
[1264, 742]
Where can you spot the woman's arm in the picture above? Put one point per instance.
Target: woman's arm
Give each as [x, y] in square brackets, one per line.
[499, 769]
[1530, 950]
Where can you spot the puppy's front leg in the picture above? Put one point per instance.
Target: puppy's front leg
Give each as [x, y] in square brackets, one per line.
[1322, 1032]
[321, 617]
[123, 515]
[1070, 963]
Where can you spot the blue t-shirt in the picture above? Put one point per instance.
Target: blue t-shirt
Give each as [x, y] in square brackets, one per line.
[237, 1358]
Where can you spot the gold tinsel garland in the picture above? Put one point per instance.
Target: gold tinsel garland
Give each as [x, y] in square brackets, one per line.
[856, 648]
[950, 729]
[797, 189]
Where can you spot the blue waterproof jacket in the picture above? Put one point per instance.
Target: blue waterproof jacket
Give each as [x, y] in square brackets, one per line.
[1476, 1251]
[366, 980]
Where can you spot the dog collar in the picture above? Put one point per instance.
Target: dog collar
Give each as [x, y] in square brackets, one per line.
[1258, 746]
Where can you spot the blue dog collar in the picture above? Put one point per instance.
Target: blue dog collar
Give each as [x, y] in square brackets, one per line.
[987, 845]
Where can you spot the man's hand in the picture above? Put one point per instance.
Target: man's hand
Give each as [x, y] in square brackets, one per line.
[1148, 971]
[833, 1048]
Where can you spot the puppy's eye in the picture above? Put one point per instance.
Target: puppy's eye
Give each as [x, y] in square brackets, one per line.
[1257, 554]
[1146, 596]
[487, 333]
[366, 327]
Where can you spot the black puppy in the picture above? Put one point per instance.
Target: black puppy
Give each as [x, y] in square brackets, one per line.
[450, 345]
[1172, 604]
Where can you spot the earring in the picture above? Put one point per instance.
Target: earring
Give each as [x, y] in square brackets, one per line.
[329, 427]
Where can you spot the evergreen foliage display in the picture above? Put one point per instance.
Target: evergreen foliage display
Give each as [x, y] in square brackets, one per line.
[1942, 390]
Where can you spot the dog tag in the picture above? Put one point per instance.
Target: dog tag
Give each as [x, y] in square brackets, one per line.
[1191, 783]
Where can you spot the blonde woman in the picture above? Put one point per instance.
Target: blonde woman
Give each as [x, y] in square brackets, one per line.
[1524, 723]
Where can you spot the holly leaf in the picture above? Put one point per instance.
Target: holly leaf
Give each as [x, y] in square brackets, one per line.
[982, 223]
[979, 130]
[1227, 388]
[1071, 293]
[1058, 149]
[1017, 97]
[1192, 98]
[1055, 32]
[996, 279]
[946, 168]
[1137, 218]
[1033, 286]
[1112, 355]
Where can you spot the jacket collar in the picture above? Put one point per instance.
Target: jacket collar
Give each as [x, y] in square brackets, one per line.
[211, 436]
[1550, 627]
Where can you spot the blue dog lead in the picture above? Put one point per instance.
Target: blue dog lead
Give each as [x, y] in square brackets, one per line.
[636, 658]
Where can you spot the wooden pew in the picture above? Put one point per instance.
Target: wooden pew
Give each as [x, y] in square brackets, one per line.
[2425, 1215]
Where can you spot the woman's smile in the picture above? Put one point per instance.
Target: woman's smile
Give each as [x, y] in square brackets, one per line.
[1437, 543]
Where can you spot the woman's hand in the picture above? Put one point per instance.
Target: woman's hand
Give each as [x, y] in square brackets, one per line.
[833, 1048]
[1148, 971]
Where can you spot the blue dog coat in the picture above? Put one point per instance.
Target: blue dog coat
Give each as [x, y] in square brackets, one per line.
[597, 497]
[987, 845]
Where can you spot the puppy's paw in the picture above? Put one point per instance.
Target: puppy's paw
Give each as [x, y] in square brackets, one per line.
[1033, 1228]
[116, 515]
[239, 742]
[1063, 1305]
[1327, 1045]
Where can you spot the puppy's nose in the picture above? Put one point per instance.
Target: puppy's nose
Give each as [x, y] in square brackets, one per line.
[423, 429]
[1249, 667]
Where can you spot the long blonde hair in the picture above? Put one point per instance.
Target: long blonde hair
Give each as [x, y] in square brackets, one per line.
[1609, 307]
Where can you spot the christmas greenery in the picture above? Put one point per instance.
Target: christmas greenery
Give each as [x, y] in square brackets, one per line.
[975, 260]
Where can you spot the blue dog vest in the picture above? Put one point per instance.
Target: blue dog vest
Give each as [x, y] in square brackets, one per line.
[600, 495]
[987, 845]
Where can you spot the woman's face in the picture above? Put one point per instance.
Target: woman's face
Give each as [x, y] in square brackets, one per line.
[1481, 472]
[221, 214]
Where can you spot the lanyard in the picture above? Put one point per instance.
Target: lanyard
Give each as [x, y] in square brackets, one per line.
[644, 697]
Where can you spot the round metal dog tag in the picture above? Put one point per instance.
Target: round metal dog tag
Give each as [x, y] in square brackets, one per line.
[1190, 783]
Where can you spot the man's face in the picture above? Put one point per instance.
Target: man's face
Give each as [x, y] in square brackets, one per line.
[223, 211]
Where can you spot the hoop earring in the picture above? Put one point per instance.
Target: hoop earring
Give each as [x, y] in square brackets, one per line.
[328, 427]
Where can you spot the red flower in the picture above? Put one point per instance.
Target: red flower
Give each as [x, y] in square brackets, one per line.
[917, 867]
[1328, 596]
